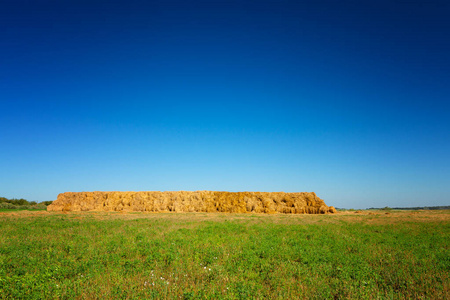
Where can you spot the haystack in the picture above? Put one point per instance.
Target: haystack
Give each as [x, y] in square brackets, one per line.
[198, 201]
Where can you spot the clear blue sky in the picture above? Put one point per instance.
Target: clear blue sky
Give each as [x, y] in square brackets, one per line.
[349, 99]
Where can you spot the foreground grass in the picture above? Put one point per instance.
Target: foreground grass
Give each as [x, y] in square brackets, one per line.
[224, 256]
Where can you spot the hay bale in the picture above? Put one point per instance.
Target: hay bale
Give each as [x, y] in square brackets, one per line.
[198, 201]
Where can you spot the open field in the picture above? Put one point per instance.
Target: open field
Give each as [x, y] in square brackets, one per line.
[362, 254]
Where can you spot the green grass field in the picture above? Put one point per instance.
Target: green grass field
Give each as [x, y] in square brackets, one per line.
[358, 255]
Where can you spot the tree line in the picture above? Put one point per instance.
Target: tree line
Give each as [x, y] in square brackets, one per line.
[21, 203]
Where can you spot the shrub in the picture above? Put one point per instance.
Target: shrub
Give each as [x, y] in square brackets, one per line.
[6, 205]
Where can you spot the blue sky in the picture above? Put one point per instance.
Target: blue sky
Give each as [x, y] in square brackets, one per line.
[349, 99]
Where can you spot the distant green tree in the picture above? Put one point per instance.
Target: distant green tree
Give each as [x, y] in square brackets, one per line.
[21, 203]
[15, 201]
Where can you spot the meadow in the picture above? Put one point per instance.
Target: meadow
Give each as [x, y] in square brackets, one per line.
[99, 255]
